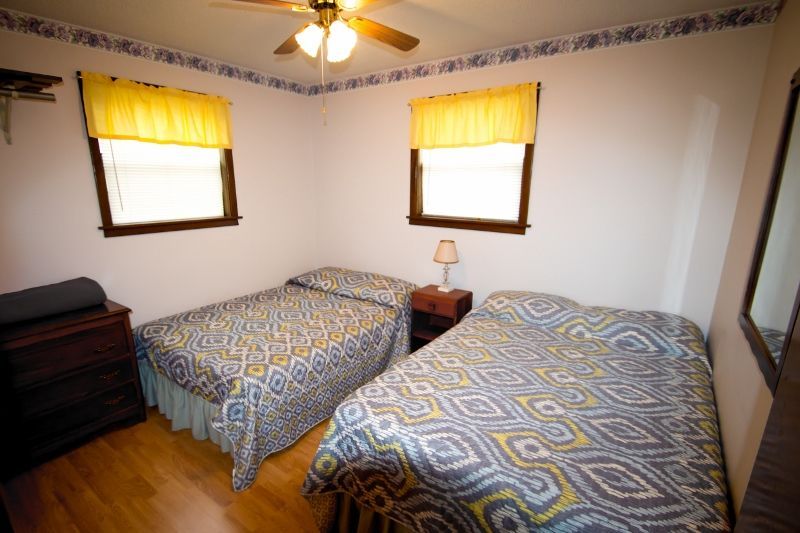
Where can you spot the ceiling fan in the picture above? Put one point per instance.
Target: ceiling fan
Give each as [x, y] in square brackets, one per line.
[339, 32]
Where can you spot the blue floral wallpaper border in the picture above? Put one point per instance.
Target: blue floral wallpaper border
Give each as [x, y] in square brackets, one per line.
[67, 33]
[711, 21]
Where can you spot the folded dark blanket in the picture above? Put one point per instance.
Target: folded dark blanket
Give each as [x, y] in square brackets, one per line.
[50, 300]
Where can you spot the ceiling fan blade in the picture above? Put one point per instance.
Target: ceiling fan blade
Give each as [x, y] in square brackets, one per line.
[385, 34]
[289, 45]
[352, 5]
[280, 3]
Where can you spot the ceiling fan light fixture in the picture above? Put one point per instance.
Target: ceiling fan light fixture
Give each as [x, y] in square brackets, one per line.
[310, 38]
[341, 40]
[348, 5]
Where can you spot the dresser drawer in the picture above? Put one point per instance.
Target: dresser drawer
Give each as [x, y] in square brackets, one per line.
[78, 414]
[52, 358]
[421, 302]
[45, 397]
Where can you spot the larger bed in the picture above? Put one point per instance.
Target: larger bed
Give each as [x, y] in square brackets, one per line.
[533, 413]
[255, 373]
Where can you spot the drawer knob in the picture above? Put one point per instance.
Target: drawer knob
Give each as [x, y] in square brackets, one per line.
[116, 400]
[106, 348]
[109, 376]
[432, 306]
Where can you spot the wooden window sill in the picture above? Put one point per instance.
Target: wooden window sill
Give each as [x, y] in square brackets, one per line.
[469, 223]
[121, 230]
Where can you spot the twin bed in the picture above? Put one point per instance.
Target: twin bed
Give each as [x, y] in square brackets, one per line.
[534, 412]
[255, 373]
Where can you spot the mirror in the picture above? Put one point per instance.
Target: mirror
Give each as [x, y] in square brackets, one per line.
[771, 301]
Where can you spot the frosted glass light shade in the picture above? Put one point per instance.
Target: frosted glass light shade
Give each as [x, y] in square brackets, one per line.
[341, 40]
[446, 252]
[310, 38]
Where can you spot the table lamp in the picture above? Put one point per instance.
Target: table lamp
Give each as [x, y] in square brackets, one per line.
[446, 254]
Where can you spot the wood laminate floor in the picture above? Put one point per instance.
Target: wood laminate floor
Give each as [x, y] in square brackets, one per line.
[149, 478]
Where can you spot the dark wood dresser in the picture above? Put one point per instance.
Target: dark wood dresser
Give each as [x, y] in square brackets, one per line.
[65, 379]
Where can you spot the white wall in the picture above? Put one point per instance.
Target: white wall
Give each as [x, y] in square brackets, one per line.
[743, 399]
[637, 165]
[639, 158]
[48, 204]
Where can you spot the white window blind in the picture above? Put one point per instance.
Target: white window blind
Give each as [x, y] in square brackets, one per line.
[150, 182]
[483, 182]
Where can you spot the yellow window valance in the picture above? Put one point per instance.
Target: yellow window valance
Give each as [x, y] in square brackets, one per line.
[125, 109]
[476, 118]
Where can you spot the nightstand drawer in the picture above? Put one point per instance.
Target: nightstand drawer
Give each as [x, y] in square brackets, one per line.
[82, 413]
[51, 358]
[424, 303]
[75, 387]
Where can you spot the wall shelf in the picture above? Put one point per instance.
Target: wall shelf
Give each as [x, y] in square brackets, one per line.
[20, 85]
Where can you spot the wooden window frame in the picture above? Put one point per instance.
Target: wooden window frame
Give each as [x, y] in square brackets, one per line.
[230, 208]
[417, 218]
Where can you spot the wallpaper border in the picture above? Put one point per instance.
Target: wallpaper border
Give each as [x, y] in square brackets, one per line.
[18, 22]
[642, 32]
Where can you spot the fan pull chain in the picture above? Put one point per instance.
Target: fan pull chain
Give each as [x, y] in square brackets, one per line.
[322, 76]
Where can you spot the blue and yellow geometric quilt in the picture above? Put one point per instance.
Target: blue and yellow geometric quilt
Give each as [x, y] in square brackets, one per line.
[535, 413]
[278, 362]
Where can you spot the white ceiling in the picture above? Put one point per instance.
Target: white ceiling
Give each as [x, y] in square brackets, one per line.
[246, 35]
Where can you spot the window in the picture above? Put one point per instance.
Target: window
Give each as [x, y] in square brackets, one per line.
[482, 187]
[153, 175]
[147, 187]
[149, 182]
[471, 158]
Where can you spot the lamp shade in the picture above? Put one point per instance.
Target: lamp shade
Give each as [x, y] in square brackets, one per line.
[341, 40]
[446, 252]
[310, 38]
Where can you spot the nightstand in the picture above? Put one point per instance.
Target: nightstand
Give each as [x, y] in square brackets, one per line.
[435, 312]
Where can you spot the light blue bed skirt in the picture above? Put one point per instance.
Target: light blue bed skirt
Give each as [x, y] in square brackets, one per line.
[186, 410]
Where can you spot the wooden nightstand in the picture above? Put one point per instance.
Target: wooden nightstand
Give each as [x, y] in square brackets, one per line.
[435, 312]
[65, 379]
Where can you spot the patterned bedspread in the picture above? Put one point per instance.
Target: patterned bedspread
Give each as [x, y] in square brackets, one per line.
[535, 413]
[278, 362]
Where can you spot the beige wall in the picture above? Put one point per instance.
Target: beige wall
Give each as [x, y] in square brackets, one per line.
[639, 155]
[48, 204]
[742, 397]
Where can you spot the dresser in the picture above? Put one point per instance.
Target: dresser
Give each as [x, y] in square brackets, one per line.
[65, 379]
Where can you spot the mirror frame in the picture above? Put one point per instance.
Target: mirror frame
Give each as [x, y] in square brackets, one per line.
[766, 362]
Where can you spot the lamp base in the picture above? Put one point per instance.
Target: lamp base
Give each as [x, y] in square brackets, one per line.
[445, 288]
